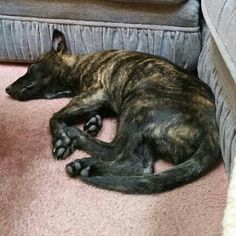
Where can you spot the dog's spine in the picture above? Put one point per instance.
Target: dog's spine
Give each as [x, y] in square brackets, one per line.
[201, 161]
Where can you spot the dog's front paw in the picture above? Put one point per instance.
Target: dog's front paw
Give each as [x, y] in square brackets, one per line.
[64, 144]
[93, 125]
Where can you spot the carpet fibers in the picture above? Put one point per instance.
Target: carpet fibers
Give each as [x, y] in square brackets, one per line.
[38, 198]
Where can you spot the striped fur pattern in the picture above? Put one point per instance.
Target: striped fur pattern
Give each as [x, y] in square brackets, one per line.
[163, 112]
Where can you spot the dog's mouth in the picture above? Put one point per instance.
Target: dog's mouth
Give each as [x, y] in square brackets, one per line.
[20, 94]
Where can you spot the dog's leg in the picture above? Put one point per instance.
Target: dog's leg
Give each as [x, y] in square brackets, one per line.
[121, 156]
[80, 106]
[98, 148]
[126, 163]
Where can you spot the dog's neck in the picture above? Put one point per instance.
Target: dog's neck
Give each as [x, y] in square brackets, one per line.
[70, 74]
[70, 60]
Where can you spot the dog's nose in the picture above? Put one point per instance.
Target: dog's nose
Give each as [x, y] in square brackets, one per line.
[8, 89]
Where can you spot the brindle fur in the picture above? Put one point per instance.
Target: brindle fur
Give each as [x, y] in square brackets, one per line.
[163, 113]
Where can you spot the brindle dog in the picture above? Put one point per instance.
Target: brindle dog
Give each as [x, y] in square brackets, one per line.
[163, 112]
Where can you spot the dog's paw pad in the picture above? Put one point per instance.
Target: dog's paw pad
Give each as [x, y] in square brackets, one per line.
[64, 143]
[58, 143]
[60, 151]
[73, 169]
[93, 125]
[85, 172]
[79, 167]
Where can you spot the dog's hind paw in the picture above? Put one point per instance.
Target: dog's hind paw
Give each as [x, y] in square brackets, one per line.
[79, 167]
[73, 169]
[93, 125]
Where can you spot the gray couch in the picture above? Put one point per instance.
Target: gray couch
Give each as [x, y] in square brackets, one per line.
[168, 28]
[217, 67]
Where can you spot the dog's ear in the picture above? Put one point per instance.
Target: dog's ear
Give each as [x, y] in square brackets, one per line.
[59, 42]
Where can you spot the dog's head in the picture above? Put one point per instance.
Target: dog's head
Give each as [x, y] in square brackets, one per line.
[42, 79]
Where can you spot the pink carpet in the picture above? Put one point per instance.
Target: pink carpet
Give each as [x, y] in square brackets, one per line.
[38, 198]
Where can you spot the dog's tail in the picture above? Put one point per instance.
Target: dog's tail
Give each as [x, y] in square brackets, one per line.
[201, 161]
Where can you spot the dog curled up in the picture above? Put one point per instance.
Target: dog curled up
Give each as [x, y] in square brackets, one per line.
[163, 112]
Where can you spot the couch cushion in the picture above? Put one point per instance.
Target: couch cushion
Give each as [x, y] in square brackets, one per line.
[184, 15]
[220, 16]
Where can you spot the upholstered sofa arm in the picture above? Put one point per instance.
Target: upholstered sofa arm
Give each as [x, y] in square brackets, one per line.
[217, 67]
